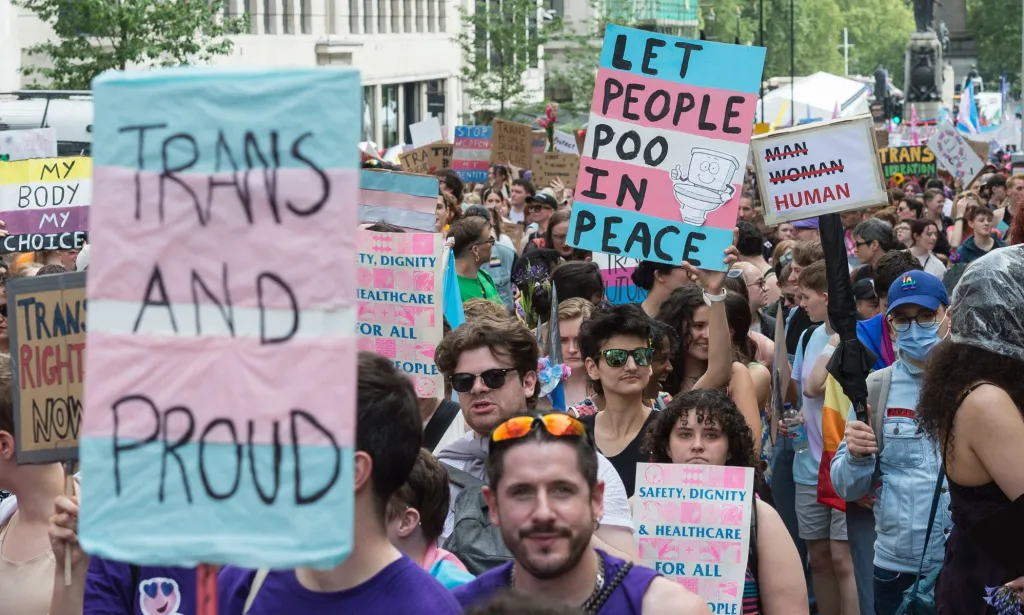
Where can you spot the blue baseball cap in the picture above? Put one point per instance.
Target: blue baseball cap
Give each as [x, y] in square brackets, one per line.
[917, 288]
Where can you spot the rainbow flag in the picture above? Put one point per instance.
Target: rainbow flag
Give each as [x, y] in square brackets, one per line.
[833, 426]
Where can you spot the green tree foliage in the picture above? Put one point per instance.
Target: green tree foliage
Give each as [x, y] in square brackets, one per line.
[996, 26]
[500, 40]
[879, 31]
[97, 35]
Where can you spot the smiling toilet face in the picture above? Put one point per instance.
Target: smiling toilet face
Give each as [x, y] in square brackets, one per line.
[711, 171]
[159, 596]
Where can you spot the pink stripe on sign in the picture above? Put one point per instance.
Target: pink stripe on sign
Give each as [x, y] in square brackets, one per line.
[674, 106]
[659, 197]
[124, 251]
[408, 202]
[470, 165]
[473, 143]
[218, 378]
[53, 220]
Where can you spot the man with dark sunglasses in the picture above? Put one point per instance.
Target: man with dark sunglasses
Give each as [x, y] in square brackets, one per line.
[492, 365]
[547, 498]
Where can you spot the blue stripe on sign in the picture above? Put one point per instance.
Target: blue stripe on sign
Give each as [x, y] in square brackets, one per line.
[404, 183]
[476, 177]
[627, 233]
[152, 522]
[472, 132]
[721, 66]
[419, 221]
[179, 116]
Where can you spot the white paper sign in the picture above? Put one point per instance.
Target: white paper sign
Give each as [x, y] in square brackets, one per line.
[954, 154]
[692, 524]
[426, 132]
[26, 144]
[820, 168]
[565, 143]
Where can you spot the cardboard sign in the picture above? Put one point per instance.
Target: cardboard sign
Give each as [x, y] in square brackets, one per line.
[692, 525]
[402, 199]
[46, 324]
[955, 154]
[820, 168]
[428, 159]
[881, 139]
[472, 154]
[222, 344]
[426, 132]
[44, 202]
[616, 272]
[550, 166]
[669, 130]
[908, 160]
[513, 230]
[512, 143]
[566, 143]
[400, 307]
[25, 144]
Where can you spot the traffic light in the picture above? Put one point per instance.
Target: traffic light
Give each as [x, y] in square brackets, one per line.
[897, 112]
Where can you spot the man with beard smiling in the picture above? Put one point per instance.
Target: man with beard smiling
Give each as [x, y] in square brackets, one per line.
[492, 365]
[546, 498]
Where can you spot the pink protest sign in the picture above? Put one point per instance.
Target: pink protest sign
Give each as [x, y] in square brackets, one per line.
[693, 525]
[399, 303]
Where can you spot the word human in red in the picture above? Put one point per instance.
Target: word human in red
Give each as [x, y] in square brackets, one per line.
[814, 196]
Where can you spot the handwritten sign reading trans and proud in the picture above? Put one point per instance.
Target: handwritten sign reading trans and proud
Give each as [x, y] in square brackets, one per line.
[666, 146]
[400, 308]
[222, 290]
[46, 323]
[692, 524]
[818, 169]
[45, 203]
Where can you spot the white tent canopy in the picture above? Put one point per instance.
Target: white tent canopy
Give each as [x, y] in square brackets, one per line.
[816, 96]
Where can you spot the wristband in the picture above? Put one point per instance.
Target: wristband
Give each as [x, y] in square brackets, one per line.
[709, 299]
[829, 350]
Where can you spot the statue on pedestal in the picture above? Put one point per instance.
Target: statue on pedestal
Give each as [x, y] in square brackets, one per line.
[923, 15]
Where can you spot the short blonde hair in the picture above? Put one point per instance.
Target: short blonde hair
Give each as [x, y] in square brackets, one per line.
[575, 308]
[483, 309]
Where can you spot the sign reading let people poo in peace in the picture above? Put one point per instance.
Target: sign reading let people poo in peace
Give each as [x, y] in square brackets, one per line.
[663, 162]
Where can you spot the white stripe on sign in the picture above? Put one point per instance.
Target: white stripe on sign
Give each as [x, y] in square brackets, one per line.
[471, 154]
[119, 317]
[45, 195]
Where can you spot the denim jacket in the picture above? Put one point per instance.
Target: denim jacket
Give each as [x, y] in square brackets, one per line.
[500, 269]
[906, 475]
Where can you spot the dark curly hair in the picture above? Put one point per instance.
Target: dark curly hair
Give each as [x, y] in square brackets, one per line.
[952, 369]
[712, 407]
[607, 322]
[677, 312]
[664, 338]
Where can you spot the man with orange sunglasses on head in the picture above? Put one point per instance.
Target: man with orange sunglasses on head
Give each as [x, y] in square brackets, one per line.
[547, 500]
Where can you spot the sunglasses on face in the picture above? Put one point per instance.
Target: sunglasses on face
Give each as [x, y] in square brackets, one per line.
[557, 424]
[616, 357]
[492, 378]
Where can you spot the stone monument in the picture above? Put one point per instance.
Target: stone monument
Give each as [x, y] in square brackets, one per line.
[924, 64]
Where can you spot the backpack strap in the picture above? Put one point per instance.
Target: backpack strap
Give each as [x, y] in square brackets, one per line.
[805, 337]
[879, 383]
[928, 536]
[439, 423]
[462, 479]
[254, 589]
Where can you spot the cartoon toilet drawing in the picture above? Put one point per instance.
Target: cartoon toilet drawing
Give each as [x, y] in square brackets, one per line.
[159, 596]
[706, 186]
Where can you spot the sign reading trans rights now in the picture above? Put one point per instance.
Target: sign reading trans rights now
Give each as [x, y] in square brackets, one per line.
[818, 169]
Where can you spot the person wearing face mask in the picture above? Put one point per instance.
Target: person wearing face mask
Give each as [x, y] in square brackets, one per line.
[890, 449]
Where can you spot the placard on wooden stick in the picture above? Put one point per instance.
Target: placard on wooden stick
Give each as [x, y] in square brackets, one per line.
[46, 325]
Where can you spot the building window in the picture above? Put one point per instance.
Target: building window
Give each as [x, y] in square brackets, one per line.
[389, 121]
[251, 9]
[305, 19]
[531, 37]
[287, 13]
[353, 16]
[369, 113]
[431, 15]
[332, 14]
[268, 16]
[382, 16]
[367, 16]
[442, 17]
[396, 17]
[420, 15]
[408, 15]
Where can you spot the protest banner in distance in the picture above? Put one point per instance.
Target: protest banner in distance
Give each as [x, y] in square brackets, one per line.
[662, 164]
[45, 203]
[692, 524]
[540, 142]
[908, 161]
[512, 142]
[400, 310]
[819, 168]
[955, 154]
[46, 326]
[472, 154]
[402, 199]
[222, 291]
[554, 165]
[427, 159]
[426, 132]
[25, 144]
[566, 143]
[616, 272]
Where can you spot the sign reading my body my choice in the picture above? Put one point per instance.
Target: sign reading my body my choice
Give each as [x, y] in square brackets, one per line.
[666, 146]
[219, 419]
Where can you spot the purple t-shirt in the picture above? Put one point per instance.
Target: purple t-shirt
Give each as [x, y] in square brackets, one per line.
[401, 587]
[627, 599]
[111, 590]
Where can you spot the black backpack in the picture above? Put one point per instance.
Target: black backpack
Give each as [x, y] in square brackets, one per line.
[474, 539]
